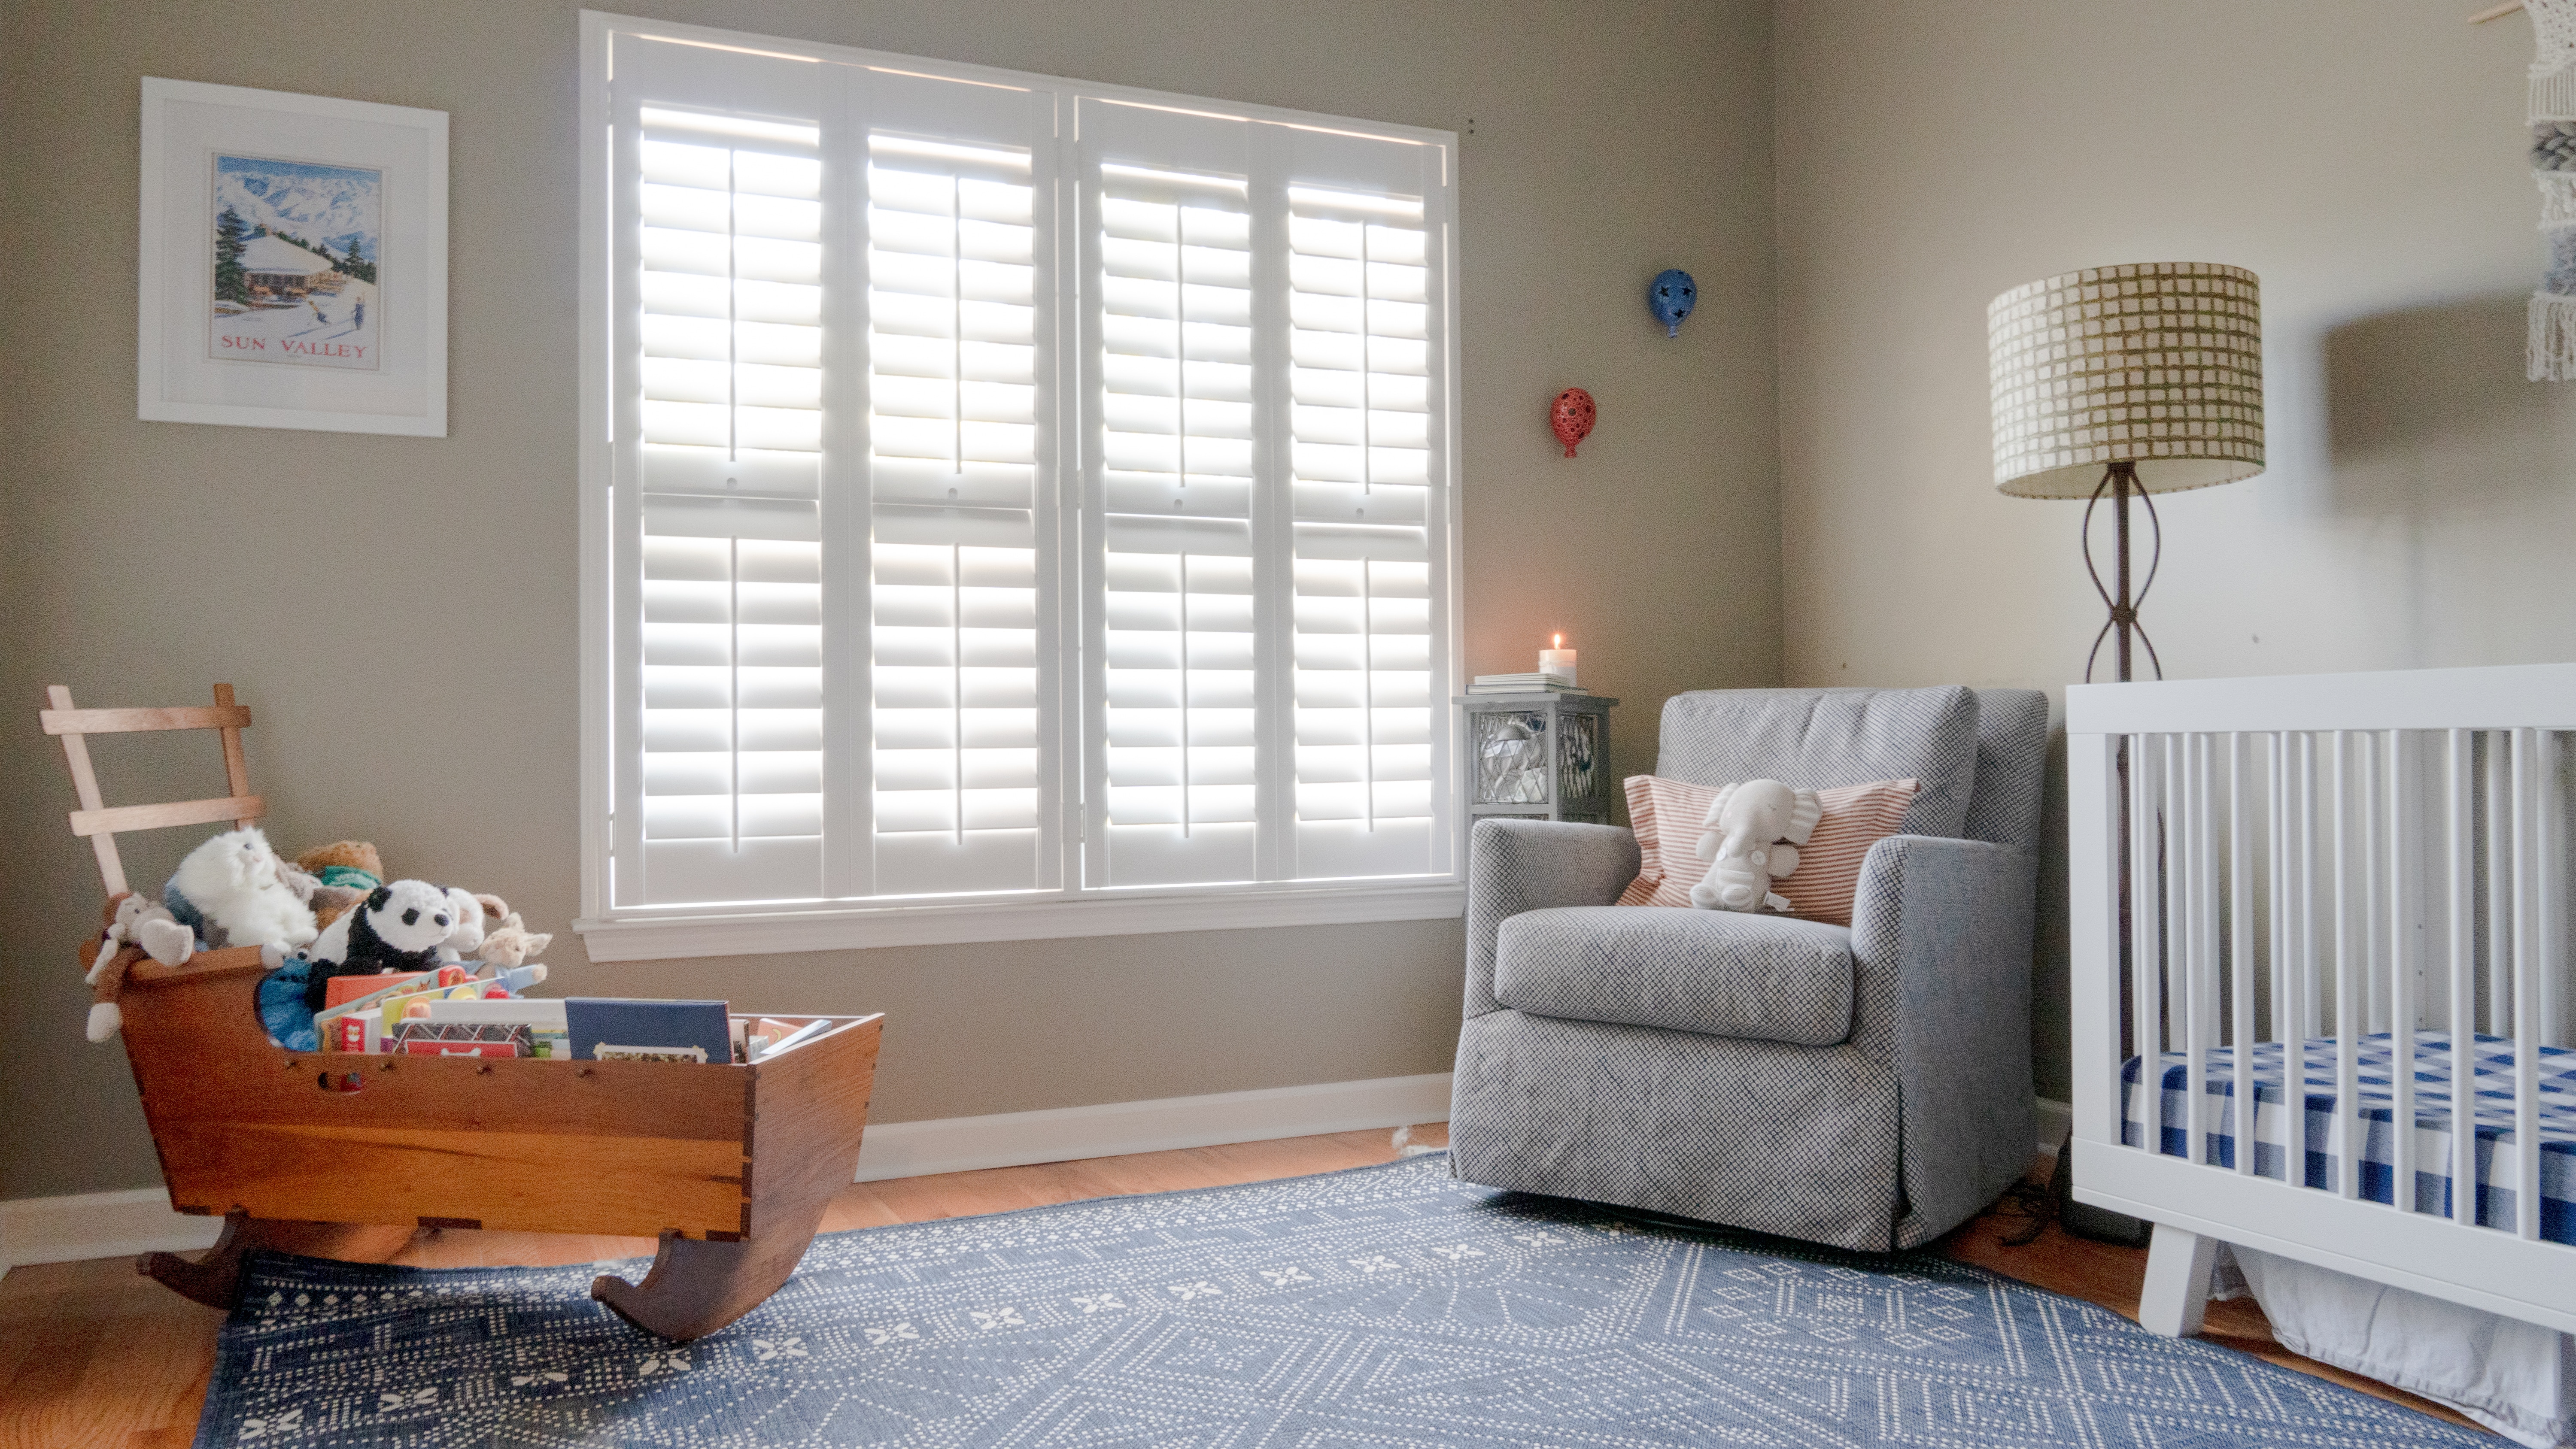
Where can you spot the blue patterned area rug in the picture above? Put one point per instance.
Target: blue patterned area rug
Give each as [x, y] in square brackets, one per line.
[1383, 1307]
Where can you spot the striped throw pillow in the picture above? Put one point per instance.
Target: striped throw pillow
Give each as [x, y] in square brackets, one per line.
[1669, 816]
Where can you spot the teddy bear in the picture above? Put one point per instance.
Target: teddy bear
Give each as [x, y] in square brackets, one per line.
[400, 926]
[232, 891]
[343, 872]
[1754, 831]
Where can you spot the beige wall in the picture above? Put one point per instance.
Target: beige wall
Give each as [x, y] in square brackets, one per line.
[2365, 159]
[399, 612]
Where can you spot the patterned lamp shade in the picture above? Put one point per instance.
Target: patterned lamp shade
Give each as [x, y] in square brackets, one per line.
[2157, 364]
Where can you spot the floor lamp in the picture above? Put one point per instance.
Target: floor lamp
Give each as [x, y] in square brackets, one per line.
[2120, 383]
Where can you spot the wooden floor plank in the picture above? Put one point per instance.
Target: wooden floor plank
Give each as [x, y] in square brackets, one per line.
[92, 1355]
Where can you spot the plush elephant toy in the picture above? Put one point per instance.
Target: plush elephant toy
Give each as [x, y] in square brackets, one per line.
[1754, 831]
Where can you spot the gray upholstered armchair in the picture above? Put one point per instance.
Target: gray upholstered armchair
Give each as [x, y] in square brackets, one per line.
[1865, 1086]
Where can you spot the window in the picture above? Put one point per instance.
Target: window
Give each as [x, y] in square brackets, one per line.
[1012, 508]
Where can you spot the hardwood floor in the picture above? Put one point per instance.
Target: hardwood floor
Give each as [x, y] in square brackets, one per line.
[93, 1357]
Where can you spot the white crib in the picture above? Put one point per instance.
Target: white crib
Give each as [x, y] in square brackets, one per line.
[2329, 876]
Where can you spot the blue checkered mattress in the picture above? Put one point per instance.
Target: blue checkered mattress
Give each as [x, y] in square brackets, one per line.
[2323, 1131]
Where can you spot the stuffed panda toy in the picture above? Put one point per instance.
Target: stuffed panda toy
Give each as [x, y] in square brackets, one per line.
[398, 927]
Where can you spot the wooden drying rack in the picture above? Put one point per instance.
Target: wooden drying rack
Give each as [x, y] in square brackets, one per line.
[730, 1166]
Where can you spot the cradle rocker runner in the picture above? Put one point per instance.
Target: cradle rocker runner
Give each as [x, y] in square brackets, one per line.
[730, 1166]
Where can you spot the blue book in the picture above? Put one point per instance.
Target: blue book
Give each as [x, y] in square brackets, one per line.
[618, 1029]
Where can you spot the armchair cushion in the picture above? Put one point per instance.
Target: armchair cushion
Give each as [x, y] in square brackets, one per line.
[1720, 973]
[1815, 738]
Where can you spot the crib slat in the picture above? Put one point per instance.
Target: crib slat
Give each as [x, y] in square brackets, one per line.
[2240, 920]
[2549, 1003]
[2374, 985]
[2311, 1001]
[2462, 921]
[2276, 751]
[2402, 957]
[2192, 966]
[2182, 945]
[2499, 900]
[2345, 1136]
[2305, 1023]
[2146, 936]
[2528, 784]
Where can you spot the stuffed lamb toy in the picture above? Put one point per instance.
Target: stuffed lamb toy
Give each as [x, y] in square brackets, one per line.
[1754, 831]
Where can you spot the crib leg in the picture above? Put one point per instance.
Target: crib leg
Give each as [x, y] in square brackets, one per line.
[698, 1287]
[2179, 1266]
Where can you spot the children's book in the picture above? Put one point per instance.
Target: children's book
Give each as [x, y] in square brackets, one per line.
[341, 990]
[543, 1018]
[421, 1037]
[607, 1029]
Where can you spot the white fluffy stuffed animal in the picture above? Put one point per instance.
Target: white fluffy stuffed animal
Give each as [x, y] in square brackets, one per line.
[1754, 831]
[237, 883]
[465, 931]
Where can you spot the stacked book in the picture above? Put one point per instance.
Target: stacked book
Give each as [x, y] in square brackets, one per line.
[1523, 684]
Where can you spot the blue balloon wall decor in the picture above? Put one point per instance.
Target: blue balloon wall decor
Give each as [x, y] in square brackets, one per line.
[1671, 297]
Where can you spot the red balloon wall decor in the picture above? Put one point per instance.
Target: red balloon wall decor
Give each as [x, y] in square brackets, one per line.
[1572, 417]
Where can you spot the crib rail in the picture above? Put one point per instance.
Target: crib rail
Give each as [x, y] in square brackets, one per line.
[2293, 875]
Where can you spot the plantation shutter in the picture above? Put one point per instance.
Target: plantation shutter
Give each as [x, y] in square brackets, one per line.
[1267, 530]
[962, 514]
[720, 275]
[830, 398]
[1013, 491]
[1367, 712]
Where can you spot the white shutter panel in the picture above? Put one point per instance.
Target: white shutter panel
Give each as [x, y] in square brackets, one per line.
[725, 375]
[953, 348]
[1367, 569]
[1177, 563]
[869, 638]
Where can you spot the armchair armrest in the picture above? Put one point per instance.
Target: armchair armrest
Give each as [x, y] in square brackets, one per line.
[1941, 954]
[1527, 865]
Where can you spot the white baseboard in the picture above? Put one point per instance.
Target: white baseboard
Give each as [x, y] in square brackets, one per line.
[2056, 1121]
[117, 1224]
[98, 1225]
[1012, 1139]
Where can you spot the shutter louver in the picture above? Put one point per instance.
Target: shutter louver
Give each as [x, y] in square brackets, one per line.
[1176, 405]
[952, 352]
[731, 634]
[1361, 420]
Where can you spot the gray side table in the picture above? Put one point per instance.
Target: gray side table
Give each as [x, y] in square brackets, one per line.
[1539, 755]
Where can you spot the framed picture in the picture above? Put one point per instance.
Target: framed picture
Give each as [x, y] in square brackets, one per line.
[294, 262]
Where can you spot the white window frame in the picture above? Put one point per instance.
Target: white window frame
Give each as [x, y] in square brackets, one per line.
[612, 933]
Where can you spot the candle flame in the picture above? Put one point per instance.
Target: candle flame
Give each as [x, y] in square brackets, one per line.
[1559, 644]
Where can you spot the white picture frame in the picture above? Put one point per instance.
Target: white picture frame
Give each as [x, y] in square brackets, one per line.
[293, 262]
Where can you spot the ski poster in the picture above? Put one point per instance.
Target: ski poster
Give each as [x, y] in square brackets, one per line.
[296, 247]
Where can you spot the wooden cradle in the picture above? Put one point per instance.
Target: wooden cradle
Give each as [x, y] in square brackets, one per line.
[730, 1166]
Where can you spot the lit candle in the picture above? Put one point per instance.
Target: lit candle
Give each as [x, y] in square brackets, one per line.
[1558, 662]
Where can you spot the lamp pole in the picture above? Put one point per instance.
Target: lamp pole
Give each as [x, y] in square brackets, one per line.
[2120, 480]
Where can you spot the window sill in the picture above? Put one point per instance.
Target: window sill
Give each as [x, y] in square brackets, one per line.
[660, 937]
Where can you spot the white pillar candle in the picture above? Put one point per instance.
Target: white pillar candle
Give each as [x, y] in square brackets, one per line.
[1558, 662]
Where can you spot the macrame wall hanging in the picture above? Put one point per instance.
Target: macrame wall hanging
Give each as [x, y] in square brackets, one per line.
[2553, 166]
